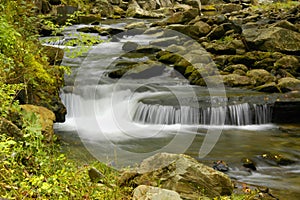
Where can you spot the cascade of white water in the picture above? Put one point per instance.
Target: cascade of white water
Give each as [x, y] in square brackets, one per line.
[239, 114]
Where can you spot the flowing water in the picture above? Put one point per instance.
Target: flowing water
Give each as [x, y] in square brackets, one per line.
[122, 121]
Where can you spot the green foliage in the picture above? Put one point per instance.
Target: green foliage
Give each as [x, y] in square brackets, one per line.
[276, 6]
[21, 57]
[33, 169]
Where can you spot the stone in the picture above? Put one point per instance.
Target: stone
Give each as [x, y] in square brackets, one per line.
[95, 175]
[289, 63]
[268, 87]
[276, 159]
[289, 84]
[249, 164]
[142, 70]
[260, 77]
[130, 46]
[235, 80]
[220, 166]
[203, 27]
[182, 17]
[286, 24]
[136, 25]
[143, 192]
[273, 39]
[134, 10]
[180, 173]
[45, 117]
[216, 33]
[230, 7]
[219, 48]
[232, 68]
[9, 128]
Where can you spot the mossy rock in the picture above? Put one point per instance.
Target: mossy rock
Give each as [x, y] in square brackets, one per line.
[289, 84]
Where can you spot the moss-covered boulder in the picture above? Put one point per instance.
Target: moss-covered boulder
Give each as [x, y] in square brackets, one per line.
[289, 84]
[180, 173]
[260, 76]
[235, 80]
[273, 39]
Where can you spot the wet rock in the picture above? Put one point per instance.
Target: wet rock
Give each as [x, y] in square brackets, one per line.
[129, 46]
[165, 41]
[289, 84]
[144, 192]
[104, 8]
[139, 71]
[220, 166]
[55, 55]
[286, 24]
[182, 17]
[9, 128]
[136, 25]
[219, 48]
[273, 39]
[119, 11]
[276, 159]
[289, 63]
[45, 117]
[95, 175]
[182, 174]
[235, 80]
[203, 27]
[268, 87]
[216, 33]
[134, 10]
[232, 68]
[260, 76]
[230, 7]
[189, 30]
[249, 164]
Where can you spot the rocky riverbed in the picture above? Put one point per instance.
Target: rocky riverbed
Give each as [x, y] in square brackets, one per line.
[244, 46]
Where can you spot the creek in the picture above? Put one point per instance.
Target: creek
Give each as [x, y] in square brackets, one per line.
[122, 121]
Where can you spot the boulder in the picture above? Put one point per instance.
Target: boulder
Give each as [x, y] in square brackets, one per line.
[232, 68]
[260, 77]
[235, 80]
[203, 27]
[289, 84]
[230, 7]
[182, 17]
[216, 33]
[289, 63]
[268, 87]
[273, 39]
[45, 117]
[134, 10]
[144, 192]
[286, 24]
[142, 70]
[180, 173]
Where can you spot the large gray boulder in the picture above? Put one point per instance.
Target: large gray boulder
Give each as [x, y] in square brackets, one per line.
[180, 173]
[273, 39]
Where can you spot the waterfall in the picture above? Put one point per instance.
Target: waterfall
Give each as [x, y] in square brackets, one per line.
[239, 114]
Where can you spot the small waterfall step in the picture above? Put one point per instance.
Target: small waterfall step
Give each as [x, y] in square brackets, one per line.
[239, 114]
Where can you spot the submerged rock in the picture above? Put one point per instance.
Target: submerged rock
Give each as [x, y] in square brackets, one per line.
[182, 174]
